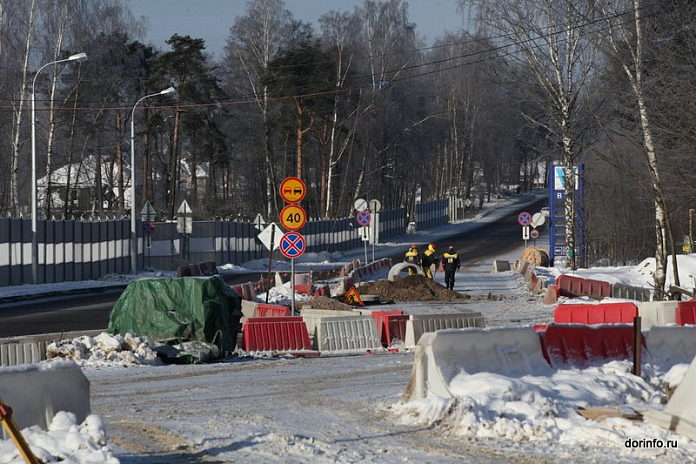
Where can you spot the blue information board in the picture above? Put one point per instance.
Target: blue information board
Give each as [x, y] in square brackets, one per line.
[557, 210]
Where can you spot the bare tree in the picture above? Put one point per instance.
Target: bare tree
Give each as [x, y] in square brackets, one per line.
[548, 40]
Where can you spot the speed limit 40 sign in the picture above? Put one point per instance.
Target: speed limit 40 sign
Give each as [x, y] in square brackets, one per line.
[293, 217]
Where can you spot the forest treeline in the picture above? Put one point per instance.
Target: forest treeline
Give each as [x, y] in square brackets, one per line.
[359, 106]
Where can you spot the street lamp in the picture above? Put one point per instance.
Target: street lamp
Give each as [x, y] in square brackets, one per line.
[79, 57]
[134, 235]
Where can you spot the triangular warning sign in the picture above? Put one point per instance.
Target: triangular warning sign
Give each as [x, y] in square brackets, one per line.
[353, 298]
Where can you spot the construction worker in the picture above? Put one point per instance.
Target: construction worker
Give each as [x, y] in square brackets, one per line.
[451, 264]
[413, 257]
[428, 260]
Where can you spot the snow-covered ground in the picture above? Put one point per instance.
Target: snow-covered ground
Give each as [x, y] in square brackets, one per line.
[347, 408]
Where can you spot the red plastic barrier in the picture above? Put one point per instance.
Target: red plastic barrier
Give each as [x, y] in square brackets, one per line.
[551, 296]
[395, 328]
[606, 313]
[271, 310]
[571, 286]
[275, 334]
[380, 318]
[596, 289]
[581, 344]
[239, 289]
[686, 312]
[322, 290]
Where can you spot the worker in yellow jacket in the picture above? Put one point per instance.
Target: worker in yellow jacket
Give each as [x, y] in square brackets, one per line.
[412, 257]
[428, 260]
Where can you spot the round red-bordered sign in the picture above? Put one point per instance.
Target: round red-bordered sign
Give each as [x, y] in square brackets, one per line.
[293, 190]
[148, 228]
[524, 218]
[293, 217]
[363, 218]
[292, 245]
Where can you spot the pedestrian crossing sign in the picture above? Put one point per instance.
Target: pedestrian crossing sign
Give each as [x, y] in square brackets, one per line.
[353, 298]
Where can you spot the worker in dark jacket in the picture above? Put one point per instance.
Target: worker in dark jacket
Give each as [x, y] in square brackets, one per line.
[451, 264]
[428, 260]
[412, 257]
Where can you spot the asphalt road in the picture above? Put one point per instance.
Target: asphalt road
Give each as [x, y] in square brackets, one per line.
[90, 311]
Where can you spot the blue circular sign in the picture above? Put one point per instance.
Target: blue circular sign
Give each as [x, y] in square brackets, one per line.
[292, 245]
[524, 218]
[363, 218]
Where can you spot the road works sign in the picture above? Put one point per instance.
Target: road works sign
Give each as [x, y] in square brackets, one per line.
[353, 298]
[292, 190]
[292, 245]
[293, 217]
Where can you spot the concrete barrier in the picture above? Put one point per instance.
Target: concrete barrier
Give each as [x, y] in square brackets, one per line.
[284, 334]
[443, 356]
[536, 285]
[398, 268]
[671, 345]
[36, 392]
[347, 333]
[579, 344]
[500, 265]
[629, 292]
[311, 317]
[418, 324]
[657, 313]
[605, 313]
[680, 413]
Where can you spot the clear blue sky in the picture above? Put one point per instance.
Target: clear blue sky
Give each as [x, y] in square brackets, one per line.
[211, 19]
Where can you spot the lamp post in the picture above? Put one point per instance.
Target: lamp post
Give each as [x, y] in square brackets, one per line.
[134, 235]
[34, 238]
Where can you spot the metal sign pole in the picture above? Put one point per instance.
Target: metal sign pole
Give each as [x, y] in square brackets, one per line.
[270, 261]
[292, 285]
[365, 242]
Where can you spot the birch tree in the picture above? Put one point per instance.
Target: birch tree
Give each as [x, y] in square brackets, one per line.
[548, 39]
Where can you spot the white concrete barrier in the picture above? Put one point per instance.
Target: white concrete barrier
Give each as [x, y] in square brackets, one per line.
[347, 333]
[36, 392]
[418, 324]
[671, 345]
[311, 317]
[657, 313]
[14, 354]
[680, 413]
[398, 268]
[444, 355]
[248, 310]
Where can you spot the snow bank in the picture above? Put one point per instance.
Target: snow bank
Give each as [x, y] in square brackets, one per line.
[544, 408]
[105, 349]
[65, 441]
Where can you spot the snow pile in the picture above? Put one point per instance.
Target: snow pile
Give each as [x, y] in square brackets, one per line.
[65, 441]
[282, 295]
[105, 349]
[544, 408]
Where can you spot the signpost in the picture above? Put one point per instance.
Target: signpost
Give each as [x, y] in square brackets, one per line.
[292, 245]
[363, 218]
[184, 225]
[557, 212]
[292, 217]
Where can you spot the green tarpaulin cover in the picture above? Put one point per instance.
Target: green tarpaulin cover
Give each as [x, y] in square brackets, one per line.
[203, 309]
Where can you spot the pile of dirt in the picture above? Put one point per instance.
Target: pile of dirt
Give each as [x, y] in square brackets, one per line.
[323, 302]
[410, 288]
